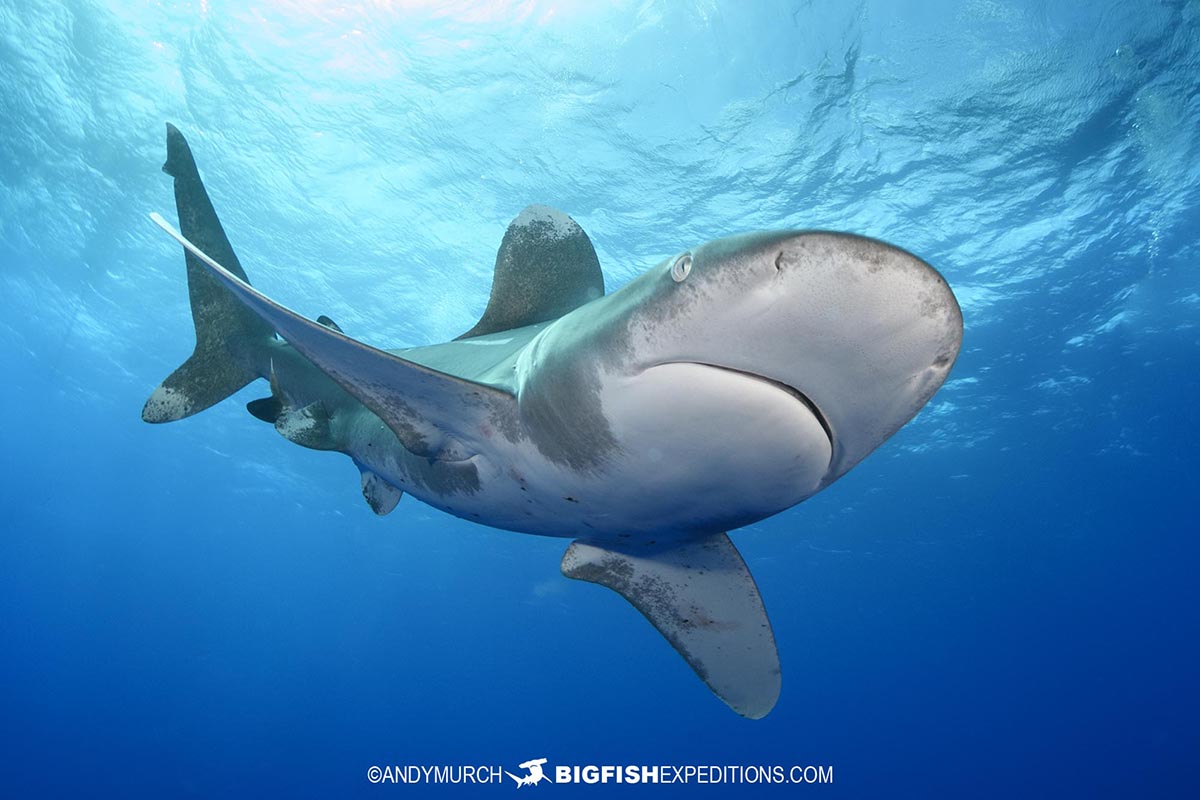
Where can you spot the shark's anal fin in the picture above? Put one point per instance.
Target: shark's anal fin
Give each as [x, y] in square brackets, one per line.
[702, 598]
[380, 495]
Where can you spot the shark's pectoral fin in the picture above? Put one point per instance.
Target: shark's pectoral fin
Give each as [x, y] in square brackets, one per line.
[427, 410]
[702, 598]
[381, 496]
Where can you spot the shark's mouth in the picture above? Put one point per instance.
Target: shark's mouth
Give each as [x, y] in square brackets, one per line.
[798, 395]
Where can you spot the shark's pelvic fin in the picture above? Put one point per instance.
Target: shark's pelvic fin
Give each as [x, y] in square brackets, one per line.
[228, 335]
[308, 427]
[546, 266]
[702, 598]
[380, 495]
[415, 401]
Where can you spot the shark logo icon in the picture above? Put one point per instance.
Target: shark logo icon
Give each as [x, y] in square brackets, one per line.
[535, 776]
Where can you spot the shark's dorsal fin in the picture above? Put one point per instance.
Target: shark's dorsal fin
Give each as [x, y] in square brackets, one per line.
[702, 598]
[418, 403]
[546, 266]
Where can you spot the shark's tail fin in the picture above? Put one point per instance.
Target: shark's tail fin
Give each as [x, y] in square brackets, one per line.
[230, 339]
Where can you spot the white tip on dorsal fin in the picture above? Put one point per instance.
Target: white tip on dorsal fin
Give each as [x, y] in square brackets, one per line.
[702, 598]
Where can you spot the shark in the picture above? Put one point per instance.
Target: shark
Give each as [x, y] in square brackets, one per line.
[729, 382]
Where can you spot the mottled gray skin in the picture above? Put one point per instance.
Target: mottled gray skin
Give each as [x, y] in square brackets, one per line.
[725, 384]
[359, 433]
[686, 403]
[524, 439]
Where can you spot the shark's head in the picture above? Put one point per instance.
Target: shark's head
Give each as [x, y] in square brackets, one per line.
[758, 369]
[860, 332]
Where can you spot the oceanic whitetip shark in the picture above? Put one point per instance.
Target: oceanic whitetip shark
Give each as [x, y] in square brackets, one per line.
[727, 383]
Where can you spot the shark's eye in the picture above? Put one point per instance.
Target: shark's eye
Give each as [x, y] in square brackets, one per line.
[683, 265]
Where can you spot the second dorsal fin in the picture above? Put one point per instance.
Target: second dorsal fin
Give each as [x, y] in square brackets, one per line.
[546, 266]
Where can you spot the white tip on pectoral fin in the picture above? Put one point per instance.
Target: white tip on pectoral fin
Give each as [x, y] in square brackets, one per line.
[702, 598]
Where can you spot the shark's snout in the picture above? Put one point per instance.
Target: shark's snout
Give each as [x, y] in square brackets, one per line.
[874, 332]
[863, 331]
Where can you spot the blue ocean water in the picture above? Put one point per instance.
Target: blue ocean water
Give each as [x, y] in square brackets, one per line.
[1002, 600]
